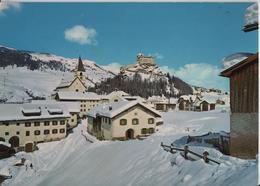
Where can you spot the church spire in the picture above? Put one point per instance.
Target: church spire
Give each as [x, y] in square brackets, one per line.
[80, 65]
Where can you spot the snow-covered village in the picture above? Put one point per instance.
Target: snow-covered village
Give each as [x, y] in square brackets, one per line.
[67, 118]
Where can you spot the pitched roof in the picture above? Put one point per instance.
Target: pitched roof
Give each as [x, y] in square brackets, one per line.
[67, 82]
[80, 66]
[71, 95]
[118, 93]
[28, 111]
[117, 108]
[251, 59]
[72, 106]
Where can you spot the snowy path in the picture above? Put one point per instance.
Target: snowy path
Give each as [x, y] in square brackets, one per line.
[73, 161]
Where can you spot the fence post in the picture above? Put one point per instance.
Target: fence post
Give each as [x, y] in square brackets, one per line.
[186, 148]
[205, 156]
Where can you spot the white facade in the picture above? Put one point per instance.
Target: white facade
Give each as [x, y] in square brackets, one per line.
[125, 120]
[23, 124]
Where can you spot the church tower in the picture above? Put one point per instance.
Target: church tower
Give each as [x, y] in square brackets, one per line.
[80, 70]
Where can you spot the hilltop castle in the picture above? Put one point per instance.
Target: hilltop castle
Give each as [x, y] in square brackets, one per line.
[145, 60]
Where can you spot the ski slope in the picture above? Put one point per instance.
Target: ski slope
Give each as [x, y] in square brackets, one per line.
[74, 161]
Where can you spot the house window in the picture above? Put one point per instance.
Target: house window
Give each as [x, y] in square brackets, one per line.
[62, 130]
[135, 121]
[77, 90]
[123, 121]
[116, 100]
[151, 130]
[150, 121]
[17, 133]
[54, 123]
[18, 124]
[46, 131]
[72, 120]
[27, 124]
[37, 133]
[46, 123]
[7, 133]
[27, 133]
[62, 122]
[54, 131]
[143, 131]
[36, 124]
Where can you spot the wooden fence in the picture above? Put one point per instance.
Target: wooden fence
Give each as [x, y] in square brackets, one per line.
[185, 150]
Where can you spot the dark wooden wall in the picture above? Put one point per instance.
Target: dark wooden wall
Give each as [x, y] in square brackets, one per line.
[244, 89]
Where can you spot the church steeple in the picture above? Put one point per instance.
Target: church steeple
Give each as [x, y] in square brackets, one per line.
[79, 70]
[80, 65]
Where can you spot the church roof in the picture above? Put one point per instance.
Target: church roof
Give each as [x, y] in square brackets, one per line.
[80, 66]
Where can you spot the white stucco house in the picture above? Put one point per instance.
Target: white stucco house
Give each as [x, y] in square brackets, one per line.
[122, 120]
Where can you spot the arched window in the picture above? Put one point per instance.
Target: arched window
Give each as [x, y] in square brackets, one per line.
[123, 122]
[135, 121]
[143, 131]
[150, 121]
[80, 74]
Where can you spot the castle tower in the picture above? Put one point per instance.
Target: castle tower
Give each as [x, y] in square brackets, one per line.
[145, 60]
[80, 71]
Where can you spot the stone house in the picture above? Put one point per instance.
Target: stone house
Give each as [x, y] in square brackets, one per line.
[122, 120]
[86, 100]
[25, 125]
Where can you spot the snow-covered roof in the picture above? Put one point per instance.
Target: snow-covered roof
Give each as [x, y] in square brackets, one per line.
[5, 144]
[71, 95]
[251, 14]
[118, 93]
[67, 81]
[162, 99]
[134, 98]
[72, 106]
[188, 97]
[233, 59]
[14, 112]
[113, 109]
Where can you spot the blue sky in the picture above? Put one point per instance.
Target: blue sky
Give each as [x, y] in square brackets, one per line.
[189, 39]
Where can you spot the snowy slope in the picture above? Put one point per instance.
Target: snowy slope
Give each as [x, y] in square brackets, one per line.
[24, 74]
[74, 161]
[17, 84]
[151, 72]
[93, 71]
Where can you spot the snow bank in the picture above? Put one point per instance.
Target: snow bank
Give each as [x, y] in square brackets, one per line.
[74, 161]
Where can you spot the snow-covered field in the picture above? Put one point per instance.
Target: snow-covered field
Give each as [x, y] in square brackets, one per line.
[74, 161]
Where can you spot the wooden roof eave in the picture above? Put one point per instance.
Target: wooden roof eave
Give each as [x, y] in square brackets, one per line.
[230, 70]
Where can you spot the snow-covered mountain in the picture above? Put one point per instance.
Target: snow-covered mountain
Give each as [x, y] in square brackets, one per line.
[147, 74]
[25, 74]
[146, 71]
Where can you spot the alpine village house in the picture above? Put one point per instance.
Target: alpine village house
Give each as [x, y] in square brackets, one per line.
[122, 120]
